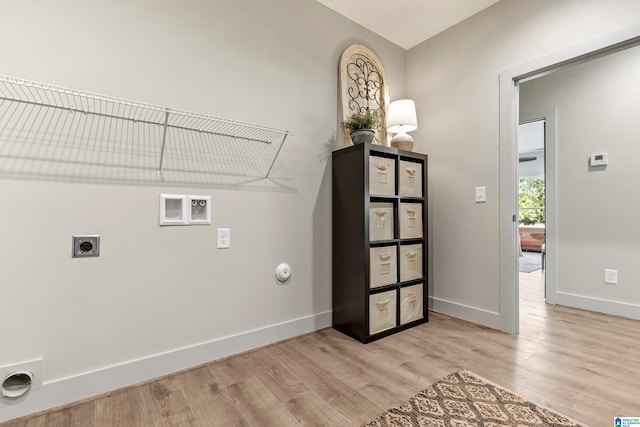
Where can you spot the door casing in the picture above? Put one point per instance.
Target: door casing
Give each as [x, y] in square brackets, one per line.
[509, 80]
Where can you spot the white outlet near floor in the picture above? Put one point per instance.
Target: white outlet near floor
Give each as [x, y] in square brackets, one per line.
[611, 276]
[224, 238]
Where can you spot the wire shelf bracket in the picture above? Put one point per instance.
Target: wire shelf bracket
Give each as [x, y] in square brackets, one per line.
[54, 133]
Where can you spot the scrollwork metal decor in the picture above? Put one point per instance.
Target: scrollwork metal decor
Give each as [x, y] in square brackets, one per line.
[363, 87]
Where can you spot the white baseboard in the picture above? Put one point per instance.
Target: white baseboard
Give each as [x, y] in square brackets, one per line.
[82, 386]
[614, 308]
[465, 312]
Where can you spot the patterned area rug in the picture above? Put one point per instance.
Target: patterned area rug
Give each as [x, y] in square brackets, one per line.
[463, 399]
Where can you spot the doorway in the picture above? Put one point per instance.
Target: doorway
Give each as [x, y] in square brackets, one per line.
[510, 117]
[531, 196]
[537, 138]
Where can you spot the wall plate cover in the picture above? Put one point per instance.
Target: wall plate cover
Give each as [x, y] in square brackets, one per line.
[33, 367]
[223, 238]
[199, 208]
[86, 246]
[173, 209]
[481, 194]
[610, 276]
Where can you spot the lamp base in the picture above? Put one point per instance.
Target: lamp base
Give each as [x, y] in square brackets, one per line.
[402, 141]
[403, 145]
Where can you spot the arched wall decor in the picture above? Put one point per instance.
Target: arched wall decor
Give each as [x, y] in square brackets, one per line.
[363, 86]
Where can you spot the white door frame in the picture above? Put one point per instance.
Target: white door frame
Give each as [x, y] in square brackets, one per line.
[509, 118]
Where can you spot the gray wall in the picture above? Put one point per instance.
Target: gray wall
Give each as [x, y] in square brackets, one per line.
[597, 226]
[453, 78]
[156, 289]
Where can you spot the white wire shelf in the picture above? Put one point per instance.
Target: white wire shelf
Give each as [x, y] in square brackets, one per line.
[54, 133]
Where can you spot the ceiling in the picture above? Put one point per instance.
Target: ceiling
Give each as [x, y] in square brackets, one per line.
[531, 150]
[531, 137]
[407, 22]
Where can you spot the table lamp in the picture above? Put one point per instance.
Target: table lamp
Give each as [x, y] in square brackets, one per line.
[401, 118]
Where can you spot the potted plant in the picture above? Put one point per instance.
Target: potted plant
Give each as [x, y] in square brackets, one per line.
[361, 126]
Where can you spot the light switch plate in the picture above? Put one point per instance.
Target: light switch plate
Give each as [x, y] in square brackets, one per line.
[610, 276]
[481, 194]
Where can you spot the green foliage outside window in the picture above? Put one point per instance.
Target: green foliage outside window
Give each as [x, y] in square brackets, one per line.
[531, 201]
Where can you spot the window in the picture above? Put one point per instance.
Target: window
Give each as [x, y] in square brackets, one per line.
[531, 201]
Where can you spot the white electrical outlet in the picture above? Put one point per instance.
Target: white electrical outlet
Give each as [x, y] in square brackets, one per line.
[611, 276]
[224, 238]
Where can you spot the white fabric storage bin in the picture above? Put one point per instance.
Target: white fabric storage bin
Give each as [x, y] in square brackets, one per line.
[383, 266]
[411, 307]
[410, 179]
[410, 220]
[382, 176]
[382, 311]
[410, 262]
[380, 221]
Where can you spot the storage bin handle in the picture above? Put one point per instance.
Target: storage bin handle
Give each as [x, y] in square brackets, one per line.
[380, 213]
[384, 257]
[411, 254]
[410, 212]
[411, 171]
[382, 304]
[411, 297]
[381, 166]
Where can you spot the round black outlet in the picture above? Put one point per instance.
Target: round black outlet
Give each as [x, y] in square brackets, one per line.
[86, 246]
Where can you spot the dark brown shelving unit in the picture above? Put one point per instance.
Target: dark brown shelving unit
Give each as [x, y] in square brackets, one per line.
[379, 241]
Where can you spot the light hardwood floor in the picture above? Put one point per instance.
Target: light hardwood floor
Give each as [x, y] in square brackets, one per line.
[582, 364]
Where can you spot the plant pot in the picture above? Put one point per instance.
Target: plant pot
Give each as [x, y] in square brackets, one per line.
[362, 136]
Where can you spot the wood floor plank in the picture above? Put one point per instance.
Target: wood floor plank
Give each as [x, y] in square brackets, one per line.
[230, 371]
[123, 409]
[166, 405]
[32, 421]
[375, 368]
[59, 418]
[371, 367]
[342, 397]
[208, 403]
[322, 353]
[312, 410]
[81, 415]
[258, 405]
[277, 377]
[594, 410]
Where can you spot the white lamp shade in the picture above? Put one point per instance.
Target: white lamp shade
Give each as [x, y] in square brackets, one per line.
[401, 116]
